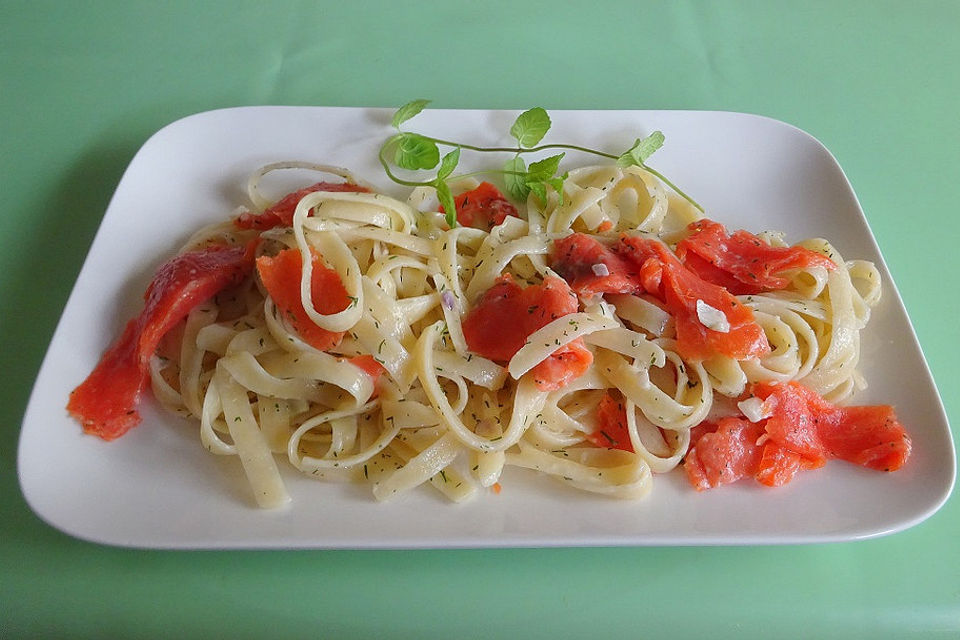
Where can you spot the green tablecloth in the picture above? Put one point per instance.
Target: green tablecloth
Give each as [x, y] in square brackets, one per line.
[84, 84]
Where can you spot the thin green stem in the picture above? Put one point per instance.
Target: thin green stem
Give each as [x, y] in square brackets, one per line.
[483, 172]
[516, 150]
[674, 187]
[542, 147]
[386, 167]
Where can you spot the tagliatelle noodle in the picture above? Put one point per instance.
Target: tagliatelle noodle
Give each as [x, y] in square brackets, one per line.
[442, 415]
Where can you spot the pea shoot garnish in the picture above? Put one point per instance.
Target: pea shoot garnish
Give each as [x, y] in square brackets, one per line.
[419, 152]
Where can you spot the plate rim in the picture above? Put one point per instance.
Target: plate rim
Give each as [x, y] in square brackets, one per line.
[890, 289]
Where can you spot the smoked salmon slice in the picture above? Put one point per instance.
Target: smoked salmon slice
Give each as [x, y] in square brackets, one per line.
[483, 207]
[592, 267]
[506, 314]
[636, 264]
[612, 432]
[741, 262]
[281, 213]
[281, 275]
[802, 421]
[802, 432]
[665, 277]
[723, 452]
[106, 402]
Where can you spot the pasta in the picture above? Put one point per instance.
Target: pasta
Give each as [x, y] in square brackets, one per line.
[431, 409]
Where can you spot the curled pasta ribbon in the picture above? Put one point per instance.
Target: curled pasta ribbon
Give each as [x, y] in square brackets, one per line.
[337, 254]
[611, 472]
[569, 414]
[686, 406]
[493, 266]
[643, 434]
[527, 401]
[344, 427]
[793, 341]
[402, 401]
[554, 335]
[420, 468]
[261, 203]
[250, 444]
[834, 376]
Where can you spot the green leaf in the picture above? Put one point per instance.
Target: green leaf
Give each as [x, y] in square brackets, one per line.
[448, 164]
[407, 111]
[446, 200]
[515, 179]
[540, 190]
[645, 148]
[543, 170]
[557, 184]
[642, 149]
[416, 152]
[530, 126]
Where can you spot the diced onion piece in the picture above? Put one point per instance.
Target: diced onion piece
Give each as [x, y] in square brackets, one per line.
[600, 269]
[755, 409]
[712, 318]
[448, 300]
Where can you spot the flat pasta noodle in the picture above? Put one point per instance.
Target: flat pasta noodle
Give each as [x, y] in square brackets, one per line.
[403, 401]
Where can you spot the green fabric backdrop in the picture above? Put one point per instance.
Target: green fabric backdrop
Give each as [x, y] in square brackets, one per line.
[84, 84]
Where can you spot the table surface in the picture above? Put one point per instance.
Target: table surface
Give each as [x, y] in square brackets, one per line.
[83, 85]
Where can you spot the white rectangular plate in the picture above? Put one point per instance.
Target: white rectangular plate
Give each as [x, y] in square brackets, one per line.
[157, 487]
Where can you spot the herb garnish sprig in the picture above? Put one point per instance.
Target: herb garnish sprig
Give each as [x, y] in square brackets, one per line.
[416, 152]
